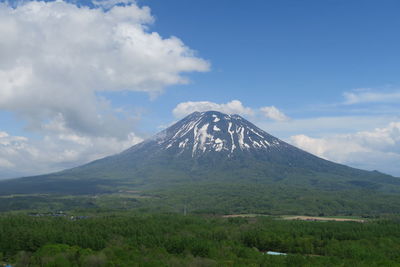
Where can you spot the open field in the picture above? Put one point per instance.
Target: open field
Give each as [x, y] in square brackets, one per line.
[313, 218]
[301, 218]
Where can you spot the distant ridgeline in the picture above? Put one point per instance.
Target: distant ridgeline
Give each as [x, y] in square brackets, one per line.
[214, 162]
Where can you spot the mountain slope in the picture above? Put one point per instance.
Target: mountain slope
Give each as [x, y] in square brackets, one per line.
[206, 147]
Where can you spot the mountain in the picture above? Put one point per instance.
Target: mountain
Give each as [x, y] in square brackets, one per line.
[211, 152]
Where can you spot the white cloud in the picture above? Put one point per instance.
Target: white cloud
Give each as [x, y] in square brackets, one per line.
[55, 56]
[374, 149]
[107, 4]
[324, 126]
[233, 107]
[360, 96]
[21, 156]
[273, 113]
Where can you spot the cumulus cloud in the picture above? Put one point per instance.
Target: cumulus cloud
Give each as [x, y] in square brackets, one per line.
[107, 4]
[375, 149]
[273, 113]
[55, 56]
[360, 96]
[20, 156]
[233, 107]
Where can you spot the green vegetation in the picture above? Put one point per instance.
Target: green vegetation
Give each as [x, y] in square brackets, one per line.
[218, 198]
[233, 187]
[132, 239]
[126, 209]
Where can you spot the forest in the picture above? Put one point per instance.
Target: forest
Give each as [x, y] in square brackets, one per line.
[141, 239]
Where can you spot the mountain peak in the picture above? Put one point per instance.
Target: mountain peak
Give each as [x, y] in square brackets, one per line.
[214, 131]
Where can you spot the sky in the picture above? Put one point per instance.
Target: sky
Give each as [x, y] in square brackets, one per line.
[83, 79]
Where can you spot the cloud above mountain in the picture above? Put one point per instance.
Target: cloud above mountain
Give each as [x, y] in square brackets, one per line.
[56, 57]
[57, 60]
[273, 113]
[232, 107]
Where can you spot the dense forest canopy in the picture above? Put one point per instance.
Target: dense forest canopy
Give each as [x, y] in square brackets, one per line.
[132, 239]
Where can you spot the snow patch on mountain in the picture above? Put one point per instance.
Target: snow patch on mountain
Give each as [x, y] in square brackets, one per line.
[205, 132]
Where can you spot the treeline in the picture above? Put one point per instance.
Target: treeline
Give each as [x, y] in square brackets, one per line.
[177, 240]
[272, 199]
[219, 198]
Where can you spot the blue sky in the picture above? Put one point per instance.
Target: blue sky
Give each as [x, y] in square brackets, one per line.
[322, 75]
[300, 57]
